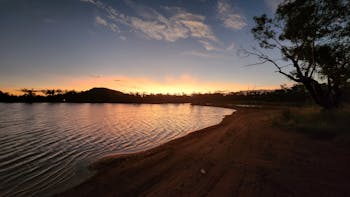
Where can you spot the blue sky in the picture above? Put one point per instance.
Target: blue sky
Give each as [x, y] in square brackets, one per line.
[132, 45]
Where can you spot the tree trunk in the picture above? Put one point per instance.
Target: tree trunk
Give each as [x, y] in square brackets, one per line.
[323, 97]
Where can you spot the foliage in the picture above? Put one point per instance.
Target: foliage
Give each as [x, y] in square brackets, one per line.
[313, 41]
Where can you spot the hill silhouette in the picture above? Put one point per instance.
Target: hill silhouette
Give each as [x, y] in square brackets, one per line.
[101, 95]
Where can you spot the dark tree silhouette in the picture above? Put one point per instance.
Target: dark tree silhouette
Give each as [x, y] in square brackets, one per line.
[29, 95]
[29, 92]
[295, 95]
[312, 40]
[49, 92]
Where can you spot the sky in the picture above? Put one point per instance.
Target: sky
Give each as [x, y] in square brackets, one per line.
[154, 46]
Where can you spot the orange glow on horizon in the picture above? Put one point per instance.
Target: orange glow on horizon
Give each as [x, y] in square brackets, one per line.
[184, 84]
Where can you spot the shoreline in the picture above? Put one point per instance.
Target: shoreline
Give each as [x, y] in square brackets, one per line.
[242, 155]
[113, 157]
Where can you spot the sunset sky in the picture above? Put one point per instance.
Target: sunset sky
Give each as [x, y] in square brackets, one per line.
[154, 46]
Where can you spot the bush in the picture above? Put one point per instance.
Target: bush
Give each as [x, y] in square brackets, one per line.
[318, 123]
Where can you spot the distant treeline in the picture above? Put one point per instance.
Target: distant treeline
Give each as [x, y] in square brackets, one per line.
[293, 95]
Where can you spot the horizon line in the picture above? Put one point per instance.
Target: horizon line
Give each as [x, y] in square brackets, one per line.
[39, 90]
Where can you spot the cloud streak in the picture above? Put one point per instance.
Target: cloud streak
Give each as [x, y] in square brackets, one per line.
[230, 18]
[178, 24]
[208, 45]
[170, 25]
[200, 54]
[101, 21]
[231, 47]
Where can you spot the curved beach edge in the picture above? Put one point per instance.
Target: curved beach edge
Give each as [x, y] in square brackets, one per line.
[113, 159]
[244, 155]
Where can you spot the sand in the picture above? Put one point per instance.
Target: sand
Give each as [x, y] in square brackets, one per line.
[244, 155]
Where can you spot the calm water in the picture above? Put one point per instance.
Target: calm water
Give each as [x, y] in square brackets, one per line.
[45, 148]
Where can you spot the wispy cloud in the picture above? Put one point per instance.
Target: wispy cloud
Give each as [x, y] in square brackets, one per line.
[273, 4]
[178, 24]
[208, 45]
[231, 47]
[200, 54]
[122, 38]
[230, 18]
[101, 21]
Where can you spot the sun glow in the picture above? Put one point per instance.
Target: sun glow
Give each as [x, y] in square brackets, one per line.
[184, 84]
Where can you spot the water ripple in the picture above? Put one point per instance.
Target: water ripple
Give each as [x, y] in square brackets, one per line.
[46, 148]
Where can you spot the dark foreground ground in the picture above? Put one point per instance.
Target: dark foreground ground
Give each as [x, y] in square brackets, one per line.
[243, 156]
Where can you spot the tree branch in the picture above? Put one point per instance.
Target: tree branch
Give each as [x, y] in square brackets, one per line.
[265, 59]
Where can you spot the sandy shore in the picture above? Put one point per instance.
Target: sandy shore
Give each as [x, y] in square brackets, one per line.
[242, 156]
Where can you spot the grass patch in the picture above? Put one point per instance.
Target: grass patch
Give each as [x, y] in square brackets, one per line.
[314, 121]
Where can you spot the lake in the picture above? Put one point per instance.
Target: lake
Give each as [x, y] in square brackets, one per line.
[46, 148]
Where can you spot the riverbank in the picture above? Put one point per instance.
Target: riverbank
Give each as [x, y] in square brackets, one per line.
[244, 155]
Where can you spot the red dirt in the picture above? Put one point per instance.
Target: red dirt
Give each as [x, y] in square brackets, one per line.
[242, 156]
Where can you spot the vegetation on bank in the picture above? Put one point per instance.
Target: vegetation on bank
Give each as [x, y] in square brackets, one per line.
[295, 94]
[315, 121]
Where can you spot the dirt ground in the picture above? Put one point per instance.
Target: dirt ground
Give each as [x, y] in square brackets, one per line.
[242, 156]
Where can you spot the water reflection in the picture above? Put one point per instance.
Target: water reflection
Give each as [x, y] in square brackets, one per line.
[46, 146]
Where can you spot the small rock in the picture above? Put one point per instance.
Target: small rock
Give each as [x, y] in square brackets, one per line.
[203, 171]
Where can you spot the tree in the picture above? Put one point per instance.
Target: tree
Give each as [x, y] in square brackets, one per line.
[312, 40]
[29, 92]
[49, 92]
[29, 95]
